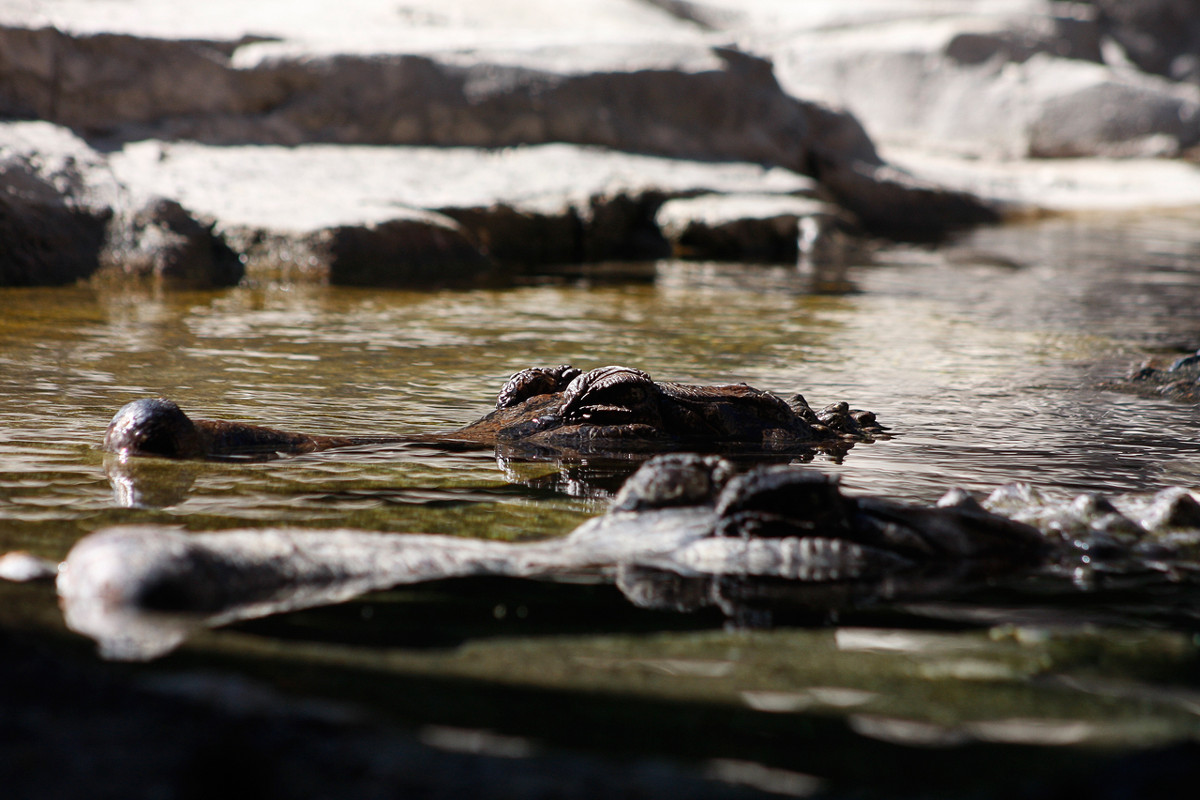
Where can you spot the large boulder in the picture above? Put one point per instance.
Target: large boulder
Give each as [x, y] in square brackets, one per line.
[447, 213]
[685, 100]
[367, 144]
[417, 249]
[1009, 86]
[1159, 36]
[1089, 110]
[765, 228]
[54, 207]
[65, 217]
[163, 242]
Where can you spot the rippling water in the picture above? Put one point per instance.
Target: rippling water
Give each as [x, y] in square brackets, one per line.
[983, 358]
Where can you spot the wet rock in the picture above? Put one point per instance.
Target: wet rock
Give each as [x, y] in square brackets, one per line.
[519, 206]
[46, 244]
[423, 250]
[769, 228]
[413, 248]
[163, 241]
[516, 235]
[621, 226]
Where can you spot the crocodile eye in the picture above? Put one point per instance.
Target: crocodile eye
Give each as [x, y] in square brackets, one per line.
[535, 381]
[616, 384]
[803, 497]
[621, 394]
[155, 426]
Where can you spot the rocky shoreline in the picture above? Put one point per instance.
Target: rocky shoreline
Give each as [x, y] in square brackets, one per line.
[440, 143]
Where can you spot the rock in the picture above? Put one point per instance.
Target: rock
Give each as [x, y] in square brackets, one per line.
[686, 100]
[1159, 36]
[748, 227]
[54, 209]
[1017, 86]
[22, 567]
[413, 248]
[476, 99]
[287, 127]
[162, 240]
[424, 249]
[1068, 36]
[1035, 186]
[65, 217]
[1178, 381]
[516, 235]
[95, 84]
[46, 244]
[541, 204]
[1091, 110]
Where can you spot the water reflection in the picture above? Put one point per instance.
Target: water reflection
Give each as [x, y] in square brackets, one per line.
[149, 483]
[709, 277]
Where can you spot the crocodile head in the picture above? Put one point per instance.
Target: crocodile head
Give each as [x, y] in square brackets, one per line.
[153, 426]
[623, 409]
[794, 523]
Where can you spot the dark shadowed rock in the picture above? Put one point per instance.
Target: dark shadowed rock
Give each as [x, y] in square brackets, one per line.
[425, 250]
[1159, 36]
[55, 206]
[84, 82]
[47, 244]
[767, 228]
[163, 241]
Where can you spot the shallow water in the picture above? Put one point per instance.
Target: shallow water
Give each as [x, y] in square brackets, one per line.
[983, 358]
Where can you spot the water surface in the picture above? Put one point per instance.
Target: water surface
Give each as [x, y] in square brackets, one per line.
[984, 358]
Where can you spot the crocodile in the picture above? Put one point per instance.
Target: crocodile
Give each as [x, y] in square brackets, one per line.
[612, 409]
[685, 531]
[1179, 380]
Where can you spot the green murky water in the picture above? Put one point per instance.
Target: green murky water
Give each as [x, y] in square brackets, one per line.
[982, 358]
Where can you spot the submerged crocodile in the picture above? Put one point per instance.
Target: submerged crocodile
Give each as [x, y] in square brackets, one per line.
[1179, 380]
[610, 409]
[684, 532]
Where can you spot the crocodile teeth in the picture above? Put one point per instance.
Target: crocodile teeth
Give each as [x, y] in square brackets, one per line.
[809, 558]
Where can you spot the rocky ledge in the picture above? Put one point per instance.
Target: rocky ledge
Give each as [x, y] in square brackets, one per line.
[439, 142]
